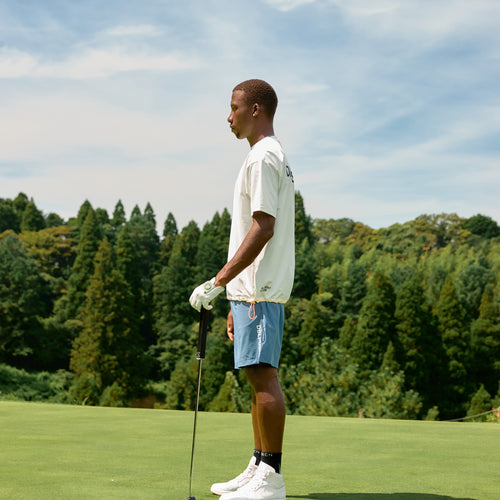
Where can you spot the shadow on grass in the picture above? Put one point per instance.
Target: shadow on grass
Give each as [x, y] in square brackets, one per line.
[375, 496]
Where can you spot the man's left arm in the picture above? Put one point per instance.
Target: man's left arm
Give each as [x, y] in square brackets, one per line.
[261, 231]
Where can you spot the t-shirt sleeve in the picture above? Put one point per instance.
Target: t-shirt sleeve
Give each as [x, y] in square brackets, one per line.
[264, 184]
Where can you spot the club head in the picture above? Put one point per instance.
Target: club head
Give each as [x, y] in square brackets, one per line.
[191, 498]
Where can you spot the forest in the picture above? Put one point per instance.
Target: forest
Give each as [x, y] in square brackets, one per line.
[398, 322]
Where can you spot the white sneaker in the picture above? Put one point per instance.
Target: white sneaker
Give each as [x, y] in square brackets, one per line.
[266, 484]
[237, 482]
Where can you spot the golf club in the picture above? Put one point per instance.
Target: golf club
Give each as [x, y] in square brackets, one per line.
[200, 356]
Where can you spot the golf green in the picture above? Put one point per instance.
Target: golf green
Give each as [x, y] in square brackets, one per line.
[52, 452]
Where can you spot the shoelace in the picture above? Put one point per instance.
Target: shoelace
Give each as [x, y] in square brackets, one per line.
[247, 472]
[258, 480]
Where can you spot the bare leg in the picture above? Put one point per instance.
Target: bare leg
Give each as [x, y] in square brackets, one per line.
[255, 424]
[268, 408]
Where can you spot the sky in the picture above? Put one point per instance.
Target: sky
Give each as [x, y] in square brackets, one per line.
[388, 109]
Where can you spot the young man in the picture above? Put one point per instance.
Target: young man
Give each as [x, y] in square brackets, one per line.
[258, 278]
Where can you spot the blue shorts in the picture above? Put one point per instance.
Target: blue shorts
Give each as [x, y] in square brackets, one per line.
[258, 333]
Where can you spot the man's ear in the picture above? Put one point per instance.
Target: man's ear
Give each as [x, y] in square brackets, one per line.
[255, 109]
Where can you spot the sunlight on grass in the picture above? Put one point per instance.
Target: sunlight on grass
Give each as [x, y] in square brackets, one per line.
[52, 452]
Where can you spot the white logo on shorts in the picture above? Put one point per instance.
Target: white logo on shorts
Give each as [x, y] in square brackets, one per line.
[259, 337]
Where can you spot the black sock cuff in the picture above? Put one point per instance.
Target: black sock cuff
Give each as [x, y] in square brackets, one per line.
[272, 459]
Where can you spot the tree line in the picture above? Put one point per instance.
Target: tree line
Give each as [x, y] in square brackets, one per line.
[398, 322]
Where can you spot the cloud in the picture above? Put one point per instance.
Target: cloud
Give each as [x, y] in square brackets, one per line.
[143, 30]
[91, 63]
[286, 5]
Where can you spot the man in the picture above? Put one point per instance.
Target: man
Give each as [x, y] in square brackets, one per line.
[258, 278]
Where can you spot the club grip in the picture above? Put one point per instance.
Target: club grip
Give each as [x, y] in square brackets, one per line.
[202, 333]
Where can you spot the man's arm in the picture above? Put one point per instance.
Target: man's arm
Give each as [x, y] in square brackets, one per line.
[260, 233]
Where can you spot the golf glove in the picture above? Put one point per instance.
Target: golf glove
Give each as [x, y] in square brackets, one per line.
[204, 294]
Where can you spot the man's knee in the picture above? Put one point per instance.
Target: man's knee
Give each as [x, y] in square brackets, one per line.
[261, 376]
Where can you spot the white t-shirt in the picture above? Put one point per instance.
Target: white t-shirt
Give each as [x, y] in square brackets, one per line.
[264, 184]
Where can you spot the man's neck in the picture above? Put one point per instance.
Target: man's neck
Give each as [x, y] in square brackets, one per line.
[262, 134]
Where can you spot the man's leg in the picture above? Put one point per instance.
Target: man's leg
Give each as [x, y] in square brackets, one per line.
[268, 411]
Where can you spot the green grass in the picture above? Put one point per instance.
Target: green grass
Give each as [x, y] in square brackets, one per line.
[52, 452]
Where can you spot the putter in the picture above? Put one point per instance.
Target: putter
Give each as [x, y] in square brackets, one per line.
[200, 356]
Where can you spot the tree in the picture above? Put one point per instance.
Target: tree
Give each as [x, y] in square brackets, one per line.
[53, 220]
[23, 301]
[209, 259]
[417, 340]
[32, 218]
[108, 351]
[20, 203]
[312, 330]
[485, 340]
[83, 267]
[173, 285]
[454, 336]
[472, 282]
[327, 384]
[376, 326]
[149, 213]
[482, 225]
[53, 249]
[305, 270]
[303, 222]
[9, 217]
[480, 403]
[119, 217]
[136, 211]
[384, 395]
[169, 235]
[353, 292]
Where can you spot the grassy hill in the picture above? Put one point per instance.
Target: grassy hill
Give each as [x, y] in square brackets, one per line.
[52, 452]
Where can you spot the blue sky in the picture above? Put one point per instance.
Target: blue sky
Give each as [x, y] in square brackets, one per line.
[387, 109]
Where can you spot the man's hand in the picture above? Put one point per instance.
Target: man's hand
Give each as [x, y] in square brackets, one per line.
[230, 326]
[204, 294]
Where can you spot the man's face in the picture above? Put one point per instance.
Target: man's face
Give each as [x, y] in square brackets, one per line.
[240, 118]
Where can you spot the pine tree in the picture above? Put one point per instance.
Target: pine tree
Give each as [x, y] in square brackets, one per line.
[454, 336]
[149, 213]
[480, 403]
[472, 282]
[128, 264]
[417, 339]
[107, 350]
[20, 203]
[23, 301]
[353, 292]
[485, 341]
[83, 267]
[384, 395]
[303, 222]
[32, 218]
[208, 257]
[119, 217]
[174, 284]
[9, 218]
[376, 326]
[136, 212]
[306, 271]
[169, 235]
[82, 215]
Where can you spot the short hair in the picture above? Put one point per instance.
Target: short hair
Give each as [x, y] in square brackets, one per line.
[261, 93]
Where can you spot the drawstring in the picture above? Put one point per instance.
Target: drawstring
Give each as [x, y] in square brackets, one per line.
[251, 311]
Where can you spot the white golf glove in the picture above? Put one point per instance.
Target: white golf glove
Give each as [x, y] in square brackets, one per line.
[204, 294]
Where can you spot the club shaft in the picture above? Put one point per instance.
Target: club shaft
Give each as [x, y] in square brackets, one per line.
[194, 427]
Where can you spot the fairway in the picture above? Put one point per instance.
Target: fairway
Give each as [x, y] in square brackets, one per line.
[52, 452]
